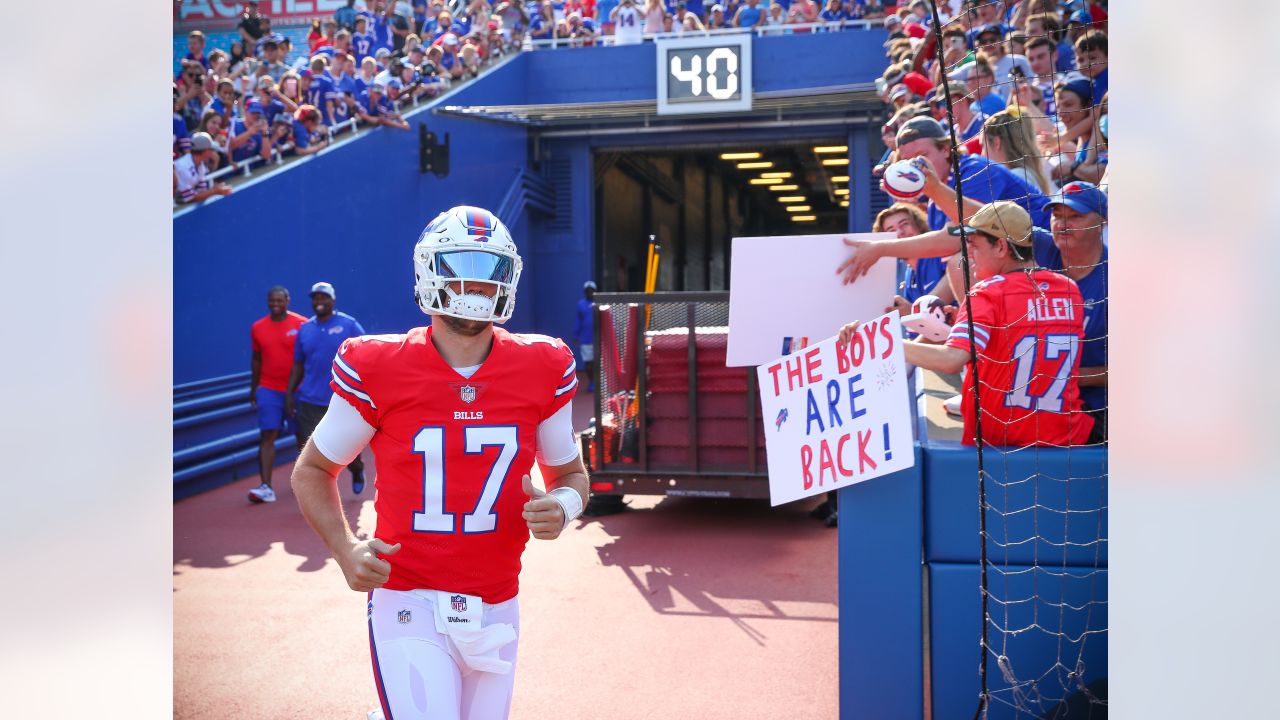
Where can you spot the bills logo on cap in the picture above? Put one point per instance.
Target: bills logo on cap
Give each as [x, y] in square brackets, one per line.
[404, 617]
[458, 602]
[467, 393]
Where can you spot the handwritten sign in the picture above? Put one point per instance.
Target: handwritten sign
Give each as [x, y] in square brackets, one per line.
[837, 414]
[785, 294]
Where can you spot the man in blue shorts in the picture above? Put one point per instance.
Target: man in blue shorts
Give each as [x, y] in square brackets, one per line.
[272, 338]
[317, 345]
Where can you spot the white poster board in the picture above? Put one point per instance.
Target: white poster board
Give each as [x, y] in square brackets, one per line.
[784, 293]
[837, 414]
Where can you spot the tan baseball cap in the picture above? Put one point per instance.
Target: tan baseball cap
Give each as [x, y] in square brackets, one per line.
[1003, 219]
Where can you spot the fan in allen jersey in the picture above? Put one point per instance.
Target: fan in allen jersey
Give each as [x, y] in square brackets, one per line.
[1027, 326]
[456, 414]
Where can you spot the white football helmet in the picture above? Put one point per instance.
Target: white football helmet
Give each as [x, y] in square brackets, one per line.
[470, 245]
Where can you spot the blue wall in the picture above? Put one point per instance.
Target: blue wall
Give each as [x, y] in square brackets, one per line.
[784, 62]
[350, 215]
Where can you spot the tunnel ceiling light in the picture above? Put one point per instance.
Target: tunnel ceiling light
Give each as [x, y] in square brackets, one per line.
[839, 178]
[841, 191]
[803, 218]
[765, 181]
[844, 203]
[791, 198]
[824, 149]
[783, 188]
[836, 161]
[740, 156]
[755, 165]
[776, 174]
[799, 208]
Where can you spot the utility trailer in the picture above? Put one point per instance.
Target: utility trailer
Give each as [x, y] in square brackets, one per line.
[670, 418]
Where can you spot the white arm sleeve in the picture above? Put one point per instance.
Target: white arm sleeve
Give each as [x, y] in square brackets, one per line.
[342, 433]
[556, 443]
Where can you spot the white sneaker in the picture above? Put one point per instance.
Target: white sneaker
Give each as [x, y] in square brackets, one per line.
[376, 715]
[952, 406]
[262, 494]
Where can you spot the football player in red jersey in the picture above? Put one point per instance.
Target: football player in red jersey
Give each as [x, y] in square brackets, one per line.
[456, 414]
[1027, 326]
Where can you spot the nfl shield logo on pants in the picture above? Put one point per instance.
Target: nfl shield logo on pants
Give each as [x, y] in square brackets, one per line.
[404, 616]
[459, 603]
[468, 393]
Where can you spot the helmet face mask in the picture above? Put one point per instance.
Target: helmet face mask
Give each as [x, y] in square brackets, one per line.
[466, 266]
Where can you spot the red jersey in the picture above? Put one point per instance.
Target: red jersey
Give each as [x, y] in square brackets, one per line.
[274, 340]
[451, 452]
[1028, 327]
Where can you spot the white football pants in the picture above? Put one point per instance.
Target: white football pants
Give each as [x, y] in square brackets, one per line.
[420, 675]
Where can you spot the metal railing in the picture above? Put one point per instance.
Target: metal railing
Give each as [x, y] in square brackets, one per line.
[764, 30]
[246, 167]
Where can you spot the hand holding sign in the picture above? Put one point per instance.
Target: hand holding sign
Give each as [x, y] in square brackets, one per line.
[838, 411]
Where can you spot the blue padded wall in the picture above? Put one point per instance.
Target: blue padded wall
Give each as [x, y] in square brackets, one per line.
[955, 625]
[1034, 513]
[881, 595]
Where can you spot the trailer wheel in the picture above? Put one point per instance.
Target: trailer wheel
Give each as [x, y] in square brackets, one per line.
[599, 505]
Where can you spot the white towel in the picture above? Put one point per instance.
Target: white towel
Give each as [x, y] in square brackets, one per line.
[461, 618]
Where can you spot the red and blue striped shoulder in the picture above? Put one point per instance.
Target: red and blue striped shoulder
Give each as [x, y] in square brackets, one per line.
[357, 358]
[555, 361]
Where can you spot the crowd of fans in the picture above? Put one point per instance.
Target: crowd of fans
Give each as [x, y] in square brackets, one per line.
[1026, 80]
[585, 22]
[1022, 86]
[371, 58]
[364, 64]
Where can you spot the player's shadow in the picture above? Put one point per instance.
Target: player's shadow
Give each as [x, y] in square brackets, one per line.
[696, 556]
[221, 528]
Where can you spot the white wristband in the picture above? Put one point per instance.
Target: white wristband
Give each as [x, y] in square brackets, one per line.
[570, 502]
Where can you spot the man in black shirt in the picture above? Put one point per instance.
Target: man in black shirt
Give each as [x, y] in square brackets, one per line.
[250, 24]
[399, 26]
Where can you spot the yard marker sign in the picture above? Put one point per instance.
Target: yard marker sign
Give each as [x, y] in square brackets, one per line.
[837, 413]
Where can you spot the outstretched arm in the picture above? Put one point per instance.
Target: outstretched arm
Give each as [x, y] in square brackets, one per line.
[939, 358]
[936, 243]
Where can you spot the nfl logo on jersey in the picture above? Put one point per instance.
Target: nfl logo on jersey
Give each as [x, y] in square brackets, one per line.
[459, 603]
[404, 616]
[468, 393]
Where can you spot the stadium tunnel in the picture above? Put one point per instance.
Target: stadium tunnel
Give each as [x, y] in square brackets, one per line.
[783, 168]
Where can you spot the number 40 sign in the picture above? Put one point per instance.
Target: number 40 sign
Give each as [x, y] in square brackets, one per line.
[704, 74]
